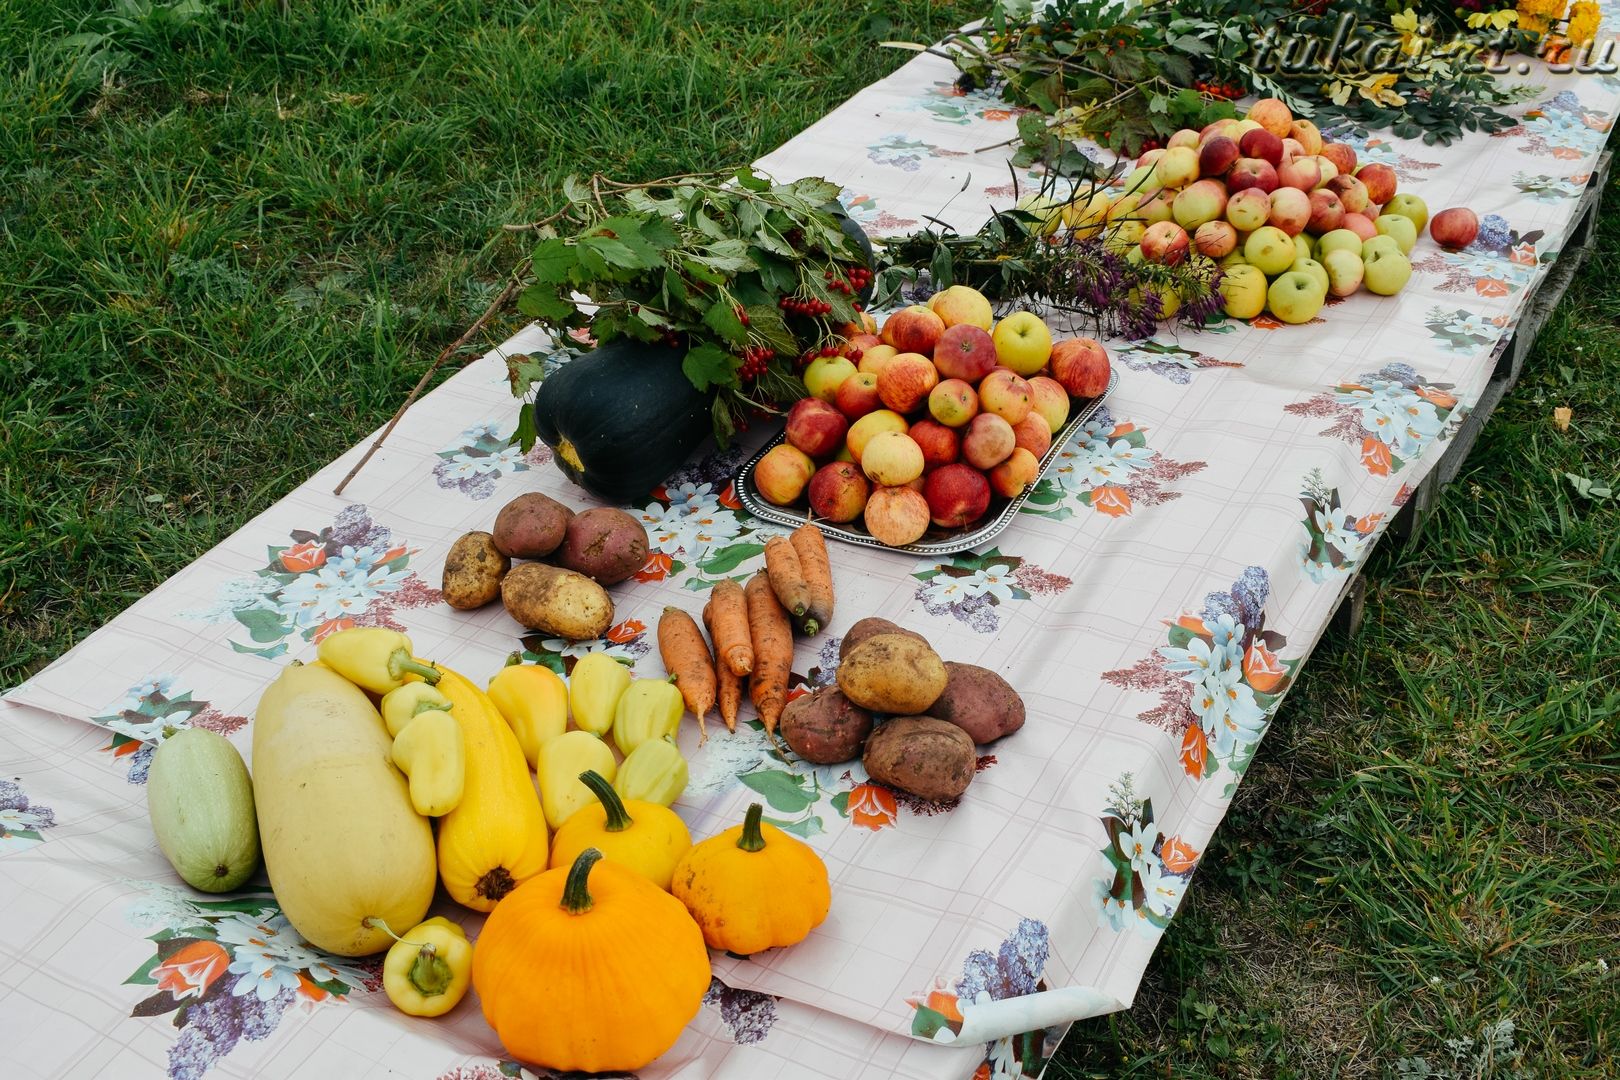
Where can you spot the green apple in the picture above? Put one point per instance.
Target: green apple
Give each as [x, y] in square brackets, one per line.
[1344, 271]
[1234, 258]
[1381, 242]
[1243, 291]
[1386, 272]
[1403, 229]
[1302, 247]
[1338, 240]
[1295, 297]
[1271, 249]
[1316, 270]
[1410, 207]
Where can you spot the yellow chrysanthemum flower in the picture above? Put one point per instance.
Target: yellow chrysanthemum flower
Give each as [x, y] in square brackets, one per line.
[1584, 18]
[1544, 10]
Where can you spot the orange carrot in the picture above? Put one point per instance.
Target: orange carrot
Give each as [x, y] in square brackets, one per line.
[811, 547]
[773, 651]
[787, 579]
[732, 643]
[686, 657]
[730, 684]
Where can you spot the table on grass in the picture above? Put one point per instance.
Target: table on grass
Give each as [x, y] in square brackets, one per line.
[1153, 604]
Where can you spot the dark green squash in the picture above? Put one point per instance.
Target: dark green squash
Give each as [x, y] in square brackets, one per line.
[621, 418]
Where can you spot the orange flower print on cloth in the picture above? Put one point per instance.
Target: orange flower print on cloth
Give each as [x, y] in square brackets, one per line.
[625, 641]
[1336, 540]
[872, 806]
[1107, 466]
[1150, 871]
[696, 529]
[22, 822]
[1219, 679]
[228, 970]
[350, 573]
[1559, 128]
[155, 709]
[1391, 416]
[1012, 971]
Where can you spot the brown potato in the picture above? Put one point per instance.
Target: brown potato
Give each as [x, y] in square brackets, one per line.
[980, 702]
[473, 571]
[869, 626]
[922, 756]
[825, 727]
[557, 601]
[531, 526]
[892, 673]
[604, 544]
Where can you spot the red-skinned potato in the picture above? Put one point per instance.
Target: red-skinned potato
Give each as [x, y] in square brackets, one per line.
[922, 756]
[825, 727]
[531, 526]
[870, 627]
[980, 702]
[605, 544]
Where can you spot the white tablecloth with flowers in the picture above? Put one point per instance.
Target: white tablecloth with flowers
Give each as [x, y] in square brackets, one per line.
[1152, 605]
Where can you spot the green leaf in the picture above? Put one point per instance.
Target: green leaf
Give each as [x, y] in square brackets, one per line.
[926, 1022]
[1587, 488]
[748, 180]
[766, 322]
[805, 827]
[939, 267]
[542, 302]
[614, 252]
[722, 319]
[840, 803]
[1179, 637]
[659, 233]
[782, 790]
[263, 626]
[709, 365]
[730, 557]
[576, 190]
[525, 435]
[553, 260]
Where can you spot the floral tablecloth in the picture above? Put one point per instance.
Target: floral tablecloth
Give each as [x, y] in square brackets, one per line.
[1153, 605]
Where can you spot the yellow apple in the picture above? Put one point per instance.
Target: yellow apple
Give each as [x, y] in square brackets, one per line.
[1243, 291]
[961, 304]
[1022, 342]
[1296, 297]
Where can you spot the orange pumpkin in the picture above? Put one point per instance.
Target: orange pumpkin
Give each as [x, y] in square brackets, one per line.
[590, 968]
[753, 887]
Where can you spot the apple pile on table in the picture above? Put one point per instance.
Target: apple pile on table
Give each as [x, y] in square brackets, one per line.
[926, 423]
[1290, 218]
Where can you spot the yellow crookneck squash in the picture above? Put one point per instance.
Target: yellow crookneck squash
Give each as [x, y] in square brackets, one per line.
[495, 838]
[643, 836]
[590, 968]
[753, 887]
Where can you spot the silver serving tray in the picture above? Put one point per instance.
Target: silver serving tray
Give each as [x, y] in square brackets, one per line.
[935, 541]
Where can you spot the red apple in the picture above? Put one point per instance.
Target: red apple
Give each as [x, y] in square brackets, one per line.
[1273, 115]
[957, 495]
[1006, 394]
[858, 395]
[1360, 224]
[988, 441]
[1351, 192]
[1293, 148]
[1290, 210]
[1380, 181]
[1343, 157]
[838, 492]
[816, 427]
[1217, 156]
[896, 515]
[1215, 239]
[953, 403]
[1454, 229]
[940, 445]
[965, 352]
[1251, 173]
[1033, 434]
[905, 381]
[1327, 212]
[1047, 397]
[1260, 143]
[913, 329]
[1080, 365]
[1165, 242]
[783, 472]
[1016, 473]
[1304, 174]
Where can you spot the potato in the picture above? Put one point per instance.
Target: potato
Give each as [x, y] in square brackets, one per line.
[825, 727]
[869, 626]
[557, 601]
[980, 702]
[473, 571]
[922, 756]
[604, 544]
[531, 526]
[892, 673]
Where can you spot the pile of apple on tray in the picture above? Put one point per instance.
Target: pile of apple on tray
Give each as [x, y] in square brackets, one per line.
[934, 426]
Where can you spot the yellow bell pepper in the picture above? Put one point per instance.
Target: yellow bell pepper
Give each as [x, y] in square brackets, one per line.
[373, 658]
[648, 709]
[653, 772]
[561, 761]
[430, 751]
[427, 972]
[594, 688]
[533, 701]
[400, 706]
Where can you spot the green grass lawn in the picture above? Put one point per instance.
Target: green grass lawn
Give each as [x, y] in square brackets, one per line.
[229, 245]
